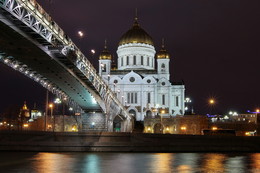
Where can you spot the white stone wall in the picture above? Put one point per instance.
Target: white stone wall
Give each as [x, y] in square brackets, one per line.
[138, 50]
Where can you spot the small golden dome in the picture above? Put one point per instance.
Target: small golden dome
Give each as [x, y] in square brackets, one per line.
[136, 35]
[105, 54]
[163, 54]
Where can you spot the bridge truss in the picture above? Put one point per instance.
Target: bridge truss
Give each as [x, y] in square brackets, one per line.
[51, 39]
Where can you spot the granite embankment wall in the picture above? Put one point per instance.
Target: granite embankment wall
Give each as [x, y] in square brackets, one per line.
[124, 142]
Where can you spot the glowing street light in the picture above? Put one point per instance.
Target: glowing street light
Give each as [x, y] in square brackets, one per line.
[211, 101]
[81, 34]
[57, 101]
[51, 107]
[93, 51]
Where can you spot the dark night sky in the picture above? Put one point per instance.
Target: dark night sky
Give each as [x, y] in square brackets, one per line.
[214, 45]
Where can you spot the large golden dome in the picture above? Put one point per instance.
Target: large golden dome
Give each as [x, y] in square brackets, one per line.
[136, 35]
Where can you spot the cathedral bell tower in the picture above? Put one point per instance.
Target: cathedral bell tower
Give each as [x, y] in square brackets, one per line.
[105, 62]
[163, 62]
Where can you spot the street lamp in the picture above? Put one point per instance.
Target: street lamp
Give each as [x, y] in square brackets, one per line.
[80, 34]
[187, 101]
[51, 107]
[58, 101]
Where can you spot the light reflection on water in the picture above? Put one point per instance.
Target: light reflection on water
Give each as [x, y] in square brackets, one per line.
[128, 162]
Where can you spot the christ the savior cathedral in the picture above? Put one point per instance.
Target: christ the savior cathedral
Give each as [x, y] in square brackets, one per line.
[141, 79]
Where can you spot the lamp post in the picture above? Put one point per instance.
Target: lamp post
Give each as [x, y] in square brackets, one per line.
[187, 101]
[51, 107]
[161, 114]
[256, 112]
[57, 101]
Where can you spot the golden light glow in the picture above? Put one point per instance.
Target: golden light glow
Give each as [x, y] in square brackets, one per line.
[257, 110]
[247, 134]
[51, 105]
[214, 128]
[149, 128]
[167, 129]
[162, 111]
[211, 101]
[25, 125]
[183, 128]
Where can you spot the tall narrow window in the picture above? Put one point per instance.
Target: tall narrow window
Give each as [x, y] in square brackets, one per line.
[127, 60]
[177, 101]
[148, 61]
[128, 97]
[103, 67]
[134, 60]
[163, 99]
[132, 97]
[152, 62]
[142, 60]
[148, 97]
[122, 61]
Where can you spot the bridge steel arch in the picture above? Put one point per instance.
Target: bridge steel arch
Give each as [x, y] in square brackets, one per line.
[32, 43]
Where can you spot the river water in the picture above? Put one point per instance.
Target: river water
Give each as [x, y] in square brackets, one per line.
[42, 162]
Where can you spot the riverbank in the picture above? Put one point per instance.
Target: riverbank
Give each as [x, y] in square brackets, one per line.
[124, 142]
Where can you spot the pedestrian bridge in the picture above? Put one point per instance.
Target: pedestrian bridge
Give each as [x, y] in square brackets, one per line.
[33, 44]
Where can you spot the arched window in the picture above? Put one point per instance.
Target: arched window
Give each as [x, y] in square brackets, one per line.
[163, 99]
[132, 112]
[163, 67]
[134, 60]
[148, 113]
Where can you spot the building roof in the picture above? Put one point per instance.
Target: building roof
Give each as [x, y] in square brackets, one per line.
[136, 35]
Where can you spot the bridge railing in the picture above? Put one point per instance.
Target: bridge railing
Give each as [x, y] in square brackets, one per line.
[35, 17]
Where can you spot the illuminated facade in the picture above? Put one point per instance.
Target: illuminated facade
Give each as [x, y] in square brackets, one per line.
[141, 80]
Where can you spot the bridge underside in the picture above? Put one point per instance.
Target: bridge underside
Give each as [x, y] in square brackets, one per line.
[66, 77]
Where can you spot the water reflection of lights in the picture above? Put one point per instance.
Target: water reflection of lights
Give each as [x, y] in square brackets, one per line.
[186, 162]
[161, 162]
[235, 164]
[53, 162]
[214, 163]
[255, 162]
[92, 163]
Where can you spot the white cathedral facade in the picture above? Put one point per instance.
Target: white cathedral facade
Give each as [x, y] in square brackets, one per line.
[141, 85]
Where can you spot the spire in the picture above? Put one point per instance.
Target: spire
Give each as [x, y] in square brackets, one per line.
[136, 18]
[162, 43]
[105, 47]
[24, 106]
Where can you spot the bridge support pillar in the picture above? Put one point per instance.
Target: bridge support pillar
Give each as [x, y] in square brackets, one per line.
[93, 121]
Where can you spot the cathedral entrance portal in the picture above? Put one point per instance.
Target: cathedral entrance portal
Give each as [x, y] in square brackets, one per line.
[117, 124]
[148, 113]
[132, 113]
[158, 128]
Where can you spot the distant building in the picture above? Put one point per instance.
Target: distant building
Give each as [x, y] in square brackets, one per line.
[35, 113]
[187, 124]
[250, 118]
[24, 112]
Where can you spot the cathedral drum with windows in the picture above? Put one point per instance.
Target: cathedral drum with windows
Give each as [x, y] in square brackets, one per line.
[142, 87]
